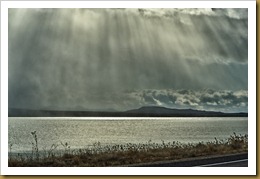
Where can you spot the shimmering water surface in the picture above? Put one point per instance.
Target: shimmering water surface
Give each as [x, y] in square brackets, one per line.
[81, 132]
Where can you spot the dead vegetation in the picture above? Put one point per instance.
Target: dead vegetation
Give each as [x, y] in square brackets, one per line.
[118, 155]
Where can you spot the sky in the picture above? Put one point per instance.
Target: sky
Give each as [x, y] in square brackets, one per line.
[121, 59]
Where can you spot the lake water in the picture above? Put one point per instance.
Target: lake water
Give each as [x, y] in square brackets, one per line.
[80, 132]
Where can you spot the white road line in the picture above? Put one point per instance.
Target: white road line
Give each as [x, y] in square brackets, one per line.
[214, 164]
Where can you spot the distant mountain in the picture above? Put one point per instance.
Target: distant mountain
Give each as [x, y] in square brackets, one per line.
[168, 112]
[147, 111]
[164, 110]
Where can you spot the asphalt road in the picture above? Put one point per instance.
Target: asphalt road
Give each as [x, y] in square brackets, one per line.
[232, 160]
[235, 163]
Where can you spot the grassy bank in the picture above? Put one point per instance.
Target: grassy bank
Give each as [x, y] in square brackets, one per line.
[116, 155]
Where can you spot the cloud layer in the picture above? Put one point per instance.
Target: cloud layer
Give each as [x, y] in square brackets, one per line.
[85, 58]
[179, 13]
[207, 99]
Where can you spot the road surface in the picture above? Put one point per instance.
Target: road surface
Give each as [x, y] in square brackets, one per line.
[234, 163]
[231, 160]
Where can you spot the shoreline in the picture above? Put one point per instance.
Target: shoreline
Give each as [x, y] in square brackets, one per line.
[118, 155]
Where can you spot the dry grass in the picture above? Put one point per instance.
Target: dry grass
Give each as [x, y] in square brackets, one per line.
[116, 155]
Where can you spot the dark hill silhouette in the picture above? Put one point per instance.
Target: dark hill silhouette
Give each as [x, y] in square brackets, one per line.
[147, 111]
[155, 110]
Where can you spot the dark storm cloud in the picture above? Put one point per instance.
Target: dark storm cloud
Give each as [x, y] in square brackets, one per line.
[88, 58]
